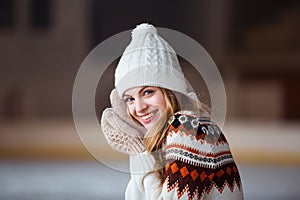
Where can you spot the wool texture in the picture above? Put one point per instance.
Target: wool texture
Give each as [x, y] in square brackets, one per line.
[149, 61]
[199, 164]
[121, 133]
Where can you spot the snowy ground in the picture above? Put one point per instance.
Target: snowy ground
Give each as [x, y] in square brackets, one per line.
[36, 180]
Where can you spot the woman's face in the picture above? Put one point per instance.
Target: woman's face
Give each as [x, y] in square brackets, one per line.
[145, 104]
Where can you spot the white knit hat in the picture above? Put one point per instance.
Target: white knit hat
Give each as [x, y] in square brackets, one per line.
[149, 61]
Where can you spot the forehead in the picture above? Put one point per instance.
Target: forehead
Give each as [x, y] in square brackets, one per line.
[136, 90]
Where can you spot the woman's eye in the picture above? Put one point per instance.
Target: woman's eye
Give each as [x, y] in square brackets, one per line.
[128, 99]
[148, 92]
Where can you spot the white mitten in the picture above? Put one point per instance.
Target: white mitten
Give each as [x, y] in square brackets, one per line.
[121, 133]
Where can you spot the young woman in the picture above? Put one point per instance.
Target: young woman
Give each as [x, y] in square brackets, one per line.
[176, 152]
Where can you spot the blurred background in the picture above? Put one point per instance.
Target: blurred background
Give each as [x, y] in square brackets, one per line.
[255, 45]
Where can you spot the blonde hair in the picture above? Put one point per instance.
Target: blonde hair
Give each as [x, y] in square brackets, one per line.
[154, 138]
[155, 135]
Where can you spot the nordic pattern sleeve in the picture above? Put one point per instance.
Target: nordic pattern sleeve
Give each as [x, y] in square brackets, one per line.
[199, 164]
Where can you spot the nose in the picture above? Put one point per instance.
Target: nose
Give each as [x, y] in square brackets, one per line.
[140, 105]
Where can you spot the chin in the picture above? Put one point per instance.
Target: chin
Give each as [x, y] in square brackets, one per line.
[149, 125]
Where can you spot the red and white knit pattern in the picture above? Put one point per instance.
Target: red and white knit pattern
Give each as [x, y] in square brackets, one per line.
[199, 164]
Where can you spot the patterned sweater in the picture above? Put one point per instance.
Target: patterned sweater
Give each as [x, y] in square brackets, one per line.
[199, 165]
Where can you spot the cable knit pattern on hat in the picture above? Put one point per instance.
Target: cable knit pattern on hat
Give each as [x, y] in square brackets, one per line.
[149, 61]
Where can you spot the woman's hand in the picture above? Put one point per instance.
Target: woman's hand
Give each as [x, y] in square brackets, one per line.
[121, 132]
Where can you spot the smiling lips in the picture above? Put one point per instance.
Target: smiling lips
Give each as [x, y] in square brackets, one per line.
[147, 117]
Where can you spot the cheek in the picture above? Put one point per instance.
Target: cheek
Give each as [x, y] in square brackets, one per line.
[161, 101]
[130, 109]
[164, 104]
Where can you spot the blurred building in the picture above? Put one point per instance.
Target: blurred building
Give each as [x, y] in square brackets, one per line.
[43, 43]
[255, 45]
[42, 46]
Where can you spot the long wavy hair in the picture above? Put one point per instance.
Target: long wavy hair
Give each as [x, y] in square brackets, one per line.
[155, 136]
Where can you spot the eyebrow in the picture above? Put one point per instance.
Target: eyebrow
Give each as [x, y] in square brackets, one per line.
[139, 92]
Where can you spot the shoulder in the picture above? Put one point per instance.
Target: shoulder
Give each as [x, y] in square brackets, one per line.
[196, 140]
[198, 159]
[190, 124]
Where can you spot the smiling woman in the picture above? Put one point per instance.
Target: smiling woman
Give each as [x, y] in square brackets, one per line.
[146, 104]
[176, 151]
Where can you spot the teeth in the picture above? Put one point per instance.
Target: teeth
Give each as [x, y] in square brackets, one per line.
[147, 116]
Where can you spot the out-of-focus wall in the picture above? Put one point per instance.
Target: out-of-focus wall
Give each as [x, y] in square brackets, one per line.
[44, 42]
[41, 51]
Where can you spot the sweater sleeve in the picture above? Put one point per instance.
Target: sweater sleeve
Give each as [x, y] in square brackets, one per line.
[199, 164]
[143, 185]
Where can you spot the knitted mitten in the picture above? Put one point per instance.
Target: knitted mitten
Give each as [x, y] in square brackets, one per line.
[121, 133]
